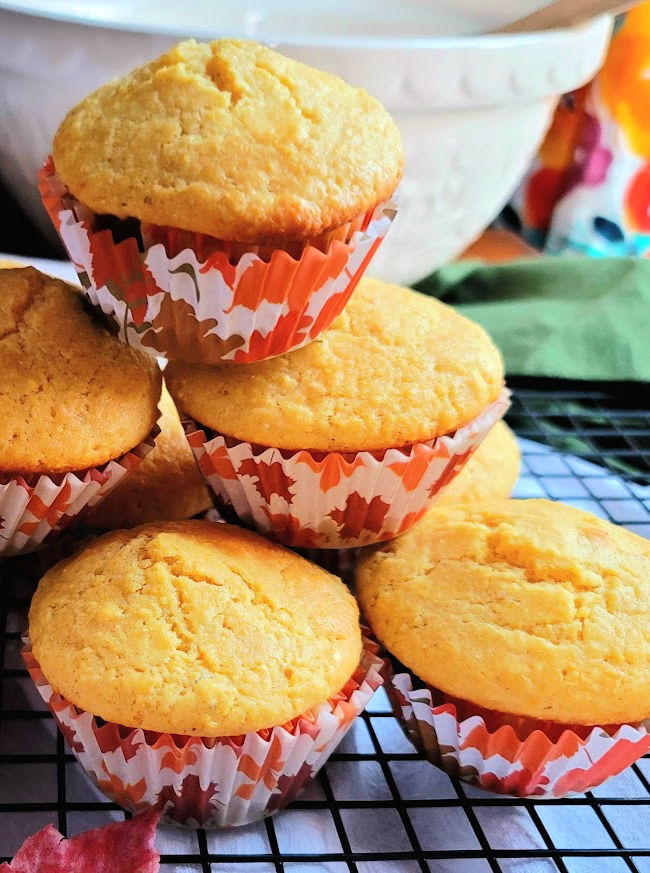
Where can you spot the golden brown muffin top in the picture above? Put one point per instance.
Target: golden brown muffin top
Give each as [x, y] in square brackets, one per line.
[233, 140]
[492, 471]
[193, 628]
[522, 606]
[72, 395]
[166, 486]
[395, 368]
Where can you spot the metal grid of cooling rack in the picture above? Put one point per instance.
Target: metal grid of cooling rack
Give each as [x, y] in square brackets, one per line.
[377, 807]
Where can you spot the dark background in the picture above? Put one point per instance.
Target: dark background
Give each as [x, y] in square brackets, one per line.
[18, 235]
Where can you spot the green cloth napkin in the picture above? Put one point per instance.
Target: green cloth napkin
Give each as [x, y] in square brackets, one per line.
[569, 317]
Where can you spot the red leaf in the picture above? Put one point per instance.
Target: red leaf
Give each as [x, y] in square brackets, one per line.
[109, 740]
[177, 761]
[289, 787]
[217, 462]
[287, 529]
[128, 795]
[70, 736]
[332, 468]
[120, 847]
[249, 767]
[193, 802]
[412, 469]
[271, 478]
[359, 514]
[450, 472]
[246, 791]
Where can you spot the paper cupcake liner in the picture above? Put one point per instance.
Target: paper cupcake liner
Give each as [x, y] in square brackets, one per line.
[508, 754]
[37, 508]
[334, 500]
[339, 562]
[186, 296]
[208, 782]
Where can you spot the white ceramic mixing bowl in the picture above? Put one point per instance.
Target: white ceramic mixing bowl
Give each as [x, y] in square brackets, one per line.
[472, 109]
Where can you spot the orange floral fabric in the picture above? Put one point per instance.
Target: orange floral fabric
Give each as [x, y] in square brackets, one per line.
[588, 191]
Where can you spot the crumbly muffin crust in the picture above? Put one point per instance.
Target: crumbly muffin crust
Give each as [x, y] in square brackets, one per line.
[72, 395]
[193, 628]
[395, 368]
[522, 606]
[233, 140]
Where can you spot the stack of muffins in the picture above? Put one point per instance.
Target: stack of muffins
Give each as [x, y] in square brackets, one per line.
[221, 204]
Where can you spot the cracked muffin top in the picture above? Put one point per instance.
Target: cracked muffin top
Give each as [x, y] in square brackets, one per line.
[72, 395]
[523, 606]
[193, 628]
[395, 368]
[233, 140]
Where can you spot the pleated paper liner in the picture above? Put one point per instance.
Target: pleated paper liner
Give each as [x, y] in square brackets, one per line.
[333, 500]
[338, 562]
[35, 509]
[190, 296]
[211, 782]
[512, 755]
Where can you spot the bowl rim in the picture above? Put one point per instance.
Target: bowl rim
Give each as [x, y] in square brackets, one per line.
[555, 38]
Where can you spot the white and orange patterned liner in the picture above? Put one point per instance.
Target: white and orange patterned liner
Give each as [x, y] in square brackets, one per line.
[508, 754]
[199, 299]
[35, 508]
[211, 782]
[333, 500]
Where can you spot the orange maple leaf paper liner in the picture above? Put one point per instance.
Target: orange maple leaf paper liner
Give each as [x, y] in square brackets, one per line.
[509, 754]
[190, 296]
[36, 508]
[333, 500]
[211, 782]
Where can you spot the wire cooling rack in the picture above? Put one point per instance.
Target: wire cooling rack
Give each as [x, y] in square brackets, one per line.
[377, 807]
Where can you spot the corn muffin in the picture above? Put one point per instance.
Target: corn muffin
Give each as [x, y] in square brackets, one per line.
[73, 397]
[492, 471]
[193, 628]
[247, 189]
[395, 368]
[346, 442]
[525, 607]
[167, 486]
[198, 669]
[233, 140]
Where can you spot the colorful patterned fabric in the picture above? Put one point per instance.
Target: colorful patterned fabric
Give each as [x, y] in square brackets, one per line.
[589, 188]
